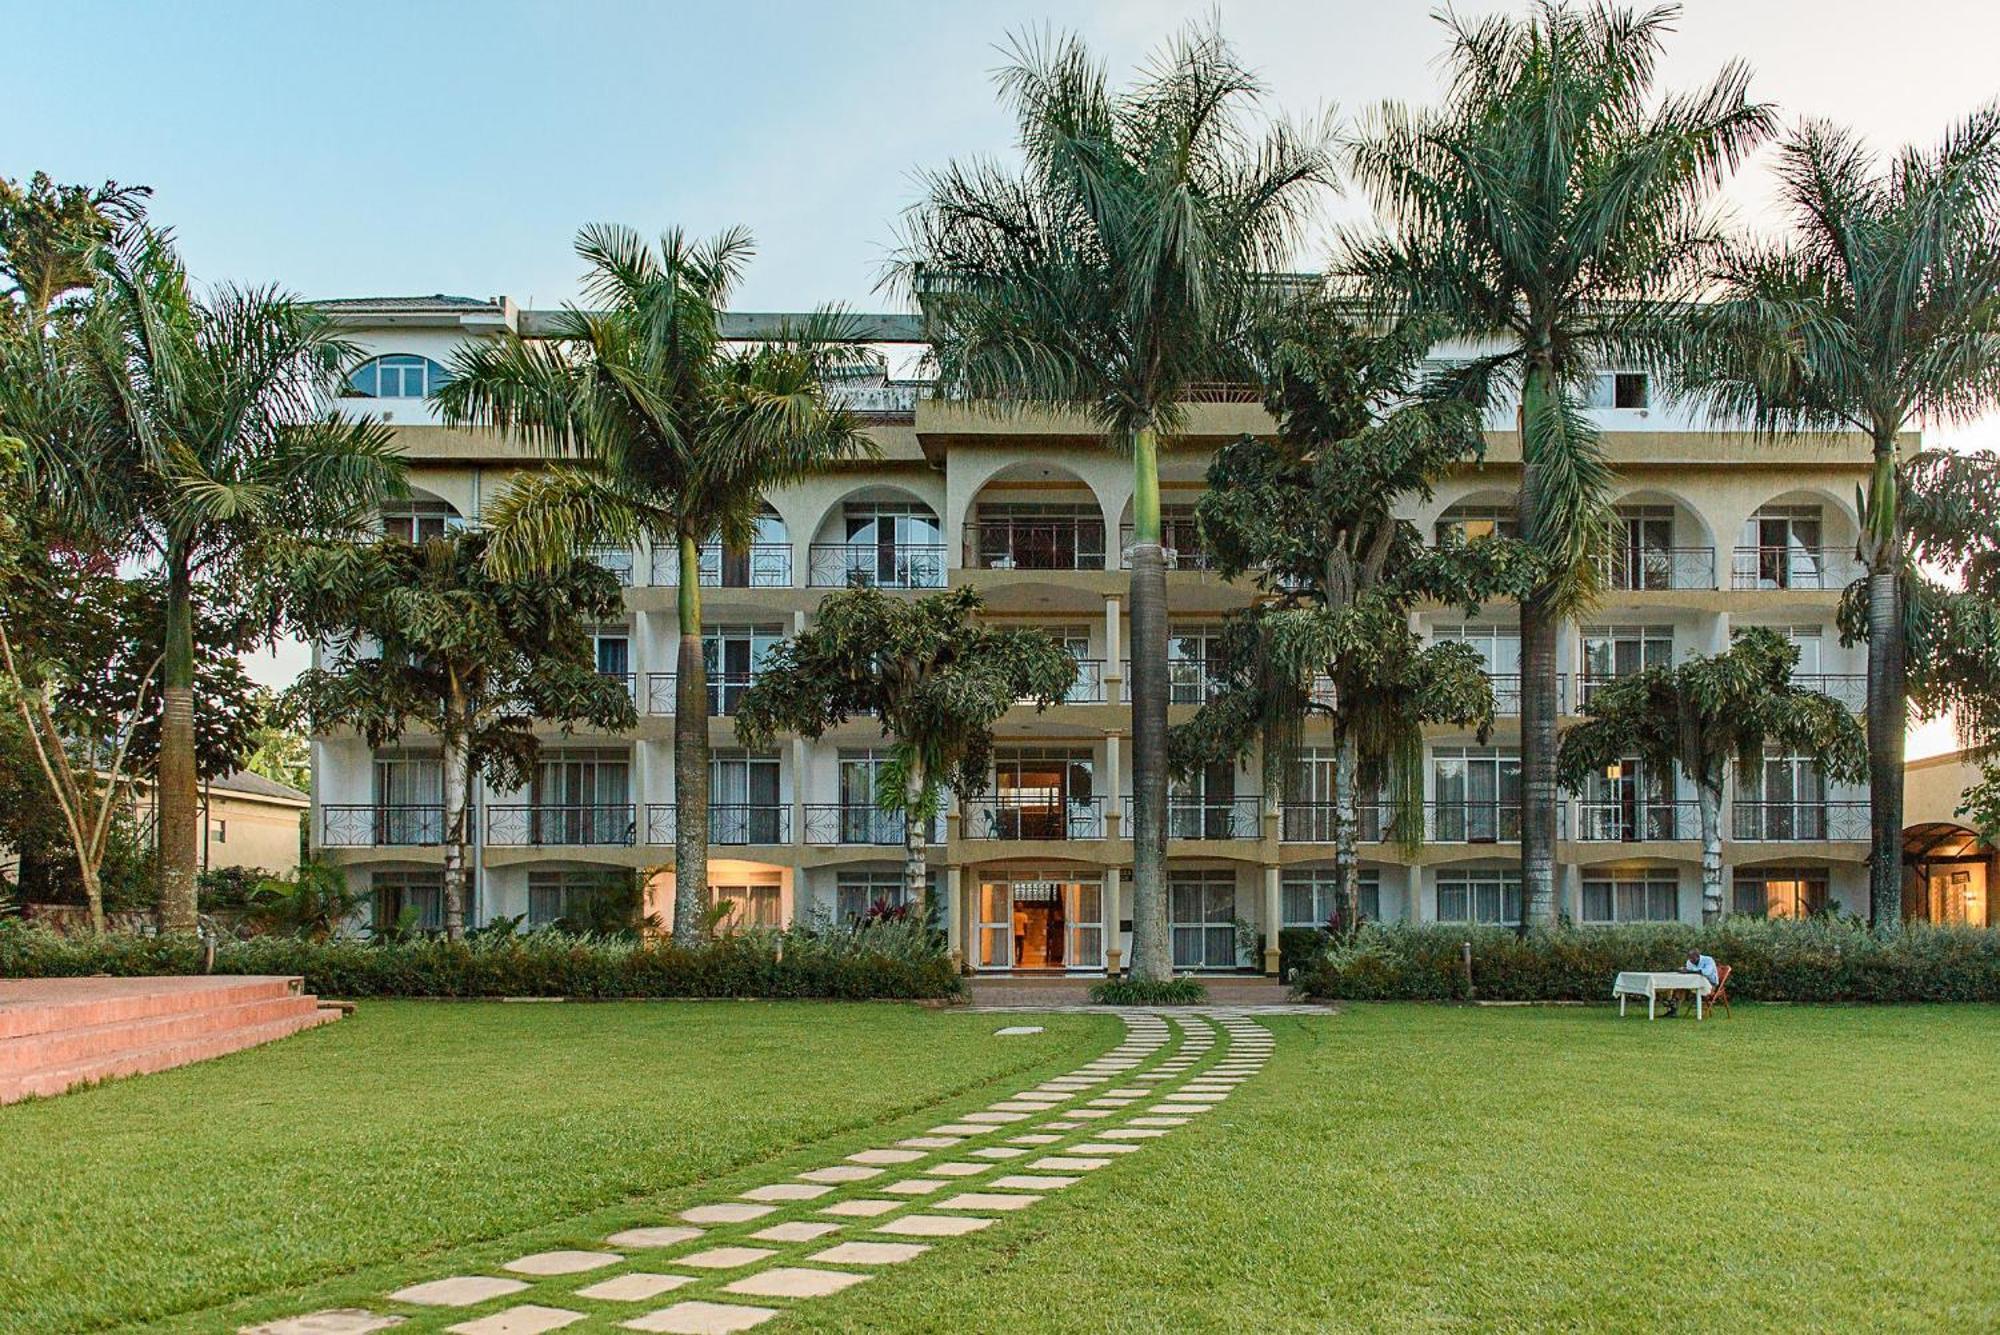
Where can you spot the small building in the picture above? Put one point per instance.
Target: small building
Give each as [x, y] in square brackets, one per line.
[1948, 868]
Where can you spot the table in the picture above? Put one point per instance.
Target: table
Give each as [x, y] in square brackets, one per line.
[1650, 985]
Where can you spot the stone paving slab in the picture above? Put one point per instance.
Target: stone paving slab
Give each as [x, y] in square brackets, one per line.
[870, 1253]
[726, 1213]
[635, 1287]
[793, 1281]
[528, 1319]
[957, 1169]
[960, 1129]
[668, 1236]
[840, 1173]
[786, 1191]
[800, 1230]
[931, 1142]
[933, 1226]
[999, 1152]
[915, 1186]
[1033, 1182]
[862, 1209]
[1033, 1138]
[561, 1262]
[1133, 1133]
[725, 1258]
[985, 1200]
[333, 1321]
[1101, 1147]
[885, 1156]
[699, 1318]
[458, 1291]
[1071, 1163]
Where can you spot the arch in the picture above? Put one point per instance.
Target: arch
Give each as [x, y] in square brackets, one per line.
[420, 516]
[1487, 509]
[1800, 537]
[395, 375]
[1036, 515]
[882, 536]
[1691, 527]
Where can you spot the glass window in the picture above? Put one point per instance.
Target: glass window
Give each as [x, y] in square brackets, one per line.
[1779, 893]
[1479, 895]
[857, 892]
[415, 894]
[1618, 389]
[1470, 523]
[1640, 899]
[419, 521]
[399, 375]
[1310, 896]
[754, 905]
[1203, 905]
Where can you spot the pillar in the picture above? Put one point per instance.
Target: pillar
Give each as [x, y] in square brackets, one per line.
[1113, 916]
[1572, 891]
[1274, 920]
[954, 916]
[1413, 893]
[1114, 786]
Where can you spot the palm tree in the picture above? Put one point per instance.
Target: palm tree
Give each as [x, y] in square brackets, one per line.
[192, 434]
[1115, 271]
[675, 434]
[1554, 206]
[1878, 312]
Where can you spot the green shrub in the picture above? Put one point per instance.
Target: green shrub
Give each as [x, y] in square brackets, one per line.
[1811, 960]
[1149, 992]
[894, 960]
[1300, 946]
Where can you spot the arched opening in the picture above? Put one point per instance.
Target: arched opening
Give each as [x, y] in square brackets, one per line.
[765, 562]
[1484, 514]
[419, 517]
[878, 537]
[1035, 516]
[1947, 874]
[1657, 542]
[1797, 540]
[395, 375]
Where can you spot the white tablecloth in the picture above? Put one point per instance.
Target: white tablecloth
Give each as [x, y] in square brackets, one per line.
[1650, 985]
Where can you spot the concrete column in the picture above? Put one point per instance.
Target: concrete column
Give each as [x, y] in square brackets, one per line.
[954, 916]
[1572, 891]
[799, 770]
[1413, 893]
[1569, 664]
[1274, 920]
[1113, 915]
[1114, 788]
[1113, 659]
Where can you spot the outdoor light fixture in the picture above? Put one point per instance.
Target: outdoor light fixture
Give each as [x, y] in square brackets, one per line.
[1614, 770]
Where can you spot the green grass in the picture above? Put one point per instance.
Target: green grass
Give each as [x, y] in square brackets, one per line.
[373, 1146]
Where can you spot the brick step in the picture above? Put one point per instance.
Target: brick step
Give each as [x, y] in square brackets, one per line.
[64, 1047]
[35, 1006]
[54, 1080]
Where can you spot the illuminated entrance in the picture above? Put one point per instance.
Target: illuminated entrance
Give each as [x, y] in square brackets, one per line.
[1041, 921]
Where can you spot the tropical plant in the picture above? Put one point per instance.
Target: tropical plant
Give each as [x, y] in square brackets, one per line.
[1698, 716]
[1876, 313]
[190, 434]
[1553, 210]
[429, 636]
[933, 676]
[314, 902]
[1310, 515]
[674, 434]
[51, 237]
[1114, 274]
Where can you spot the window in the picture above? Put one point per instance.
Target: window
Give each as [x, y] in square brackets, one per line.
[218, 831]
[1634, 800]
[1308, 812]
[744, 802]
[1499, 652]
[1045, 792]
[419, 521]
[1204, 919]
[1779, 893]
[1310, 896]
[1782, 798]
[580, 899]
[759, 903]
[611, 646]
[409, 798]
[413, 899]
[1478, 794]
[731, 655]
[1781, 549]
[1642, 548]
[856, 892]
[582, 797]
[1048, 536]
[1470, 523]
[1618, 389]
[1633, 899]
[1618, 651]
[400, 375]
[1479, 895]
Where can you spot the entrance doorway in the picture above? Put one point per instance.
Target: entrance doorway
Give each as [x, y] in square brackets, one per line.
[1041, 923]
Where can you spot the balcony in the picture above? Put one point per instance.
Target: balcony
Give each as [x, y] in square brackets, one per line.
[541, 825]
[1628, 822]
[842, 565]
[1847, 688]
[617, 560]
[1190, 682]
[1039, 544]
[762, 565]
[381, 825]
[1210, 818]
[1793, 568]
[1800, 822]
[1088, 688]
[725, 692]
[1035, 818]
[1473, 822]
[1318, 822]
[1649, 569]
[1181, 540]
[729, 823]
[850, 823]
[895, 400]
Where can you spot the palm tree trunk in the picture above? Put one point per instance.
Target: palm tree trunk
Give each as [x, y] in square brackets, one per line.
[1709, 800]
[1152, 954]
[457, 782]
[1346, 835]
[690, 758]
[916, 838]
[1539, 623]
[176, 792]
[1888, 709]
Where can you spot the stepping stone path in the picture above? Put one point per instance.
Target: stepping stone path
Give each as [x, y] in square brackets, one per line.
[744, 1268]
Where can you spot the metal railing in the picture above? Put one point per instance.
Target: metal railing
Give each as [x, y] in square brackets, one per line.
[897, 398]
[762, 565]
[1035, 818]
[1182, 541]
[860, 823]
[1793, 568]
[630, 681]
[1210, 818]
[1039, 544]
[1088, 688]
[1318, 822]
[618, 560]
[1793, 822]
[1506, 692]
[729, 823]
[1189, 681]
[1641, 569]
[725, 692]
[539, 824]
[1471, 822]
[380, 824]
[1847, 688]
[873, 565]
[1633, 822]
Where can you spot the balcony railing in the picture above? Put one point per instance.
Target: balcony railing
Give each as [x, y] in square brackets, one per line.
[1035, 818]
[1793, 568]
[898, 398]
[762, 565]
[729, 823]
[1210, 818]
[1189, 682]
[725, 692]
[1634, 822]
[843, 565]
[1473, 822]
[1506, 692]
[618, 560]
[1847, 688]
[381, 825]
[1182, 541]
[1318, 822]
[541, 824]
[860, 823]
[1088, 688]
[1039, 544]
[1794, 822]
[1642, 569]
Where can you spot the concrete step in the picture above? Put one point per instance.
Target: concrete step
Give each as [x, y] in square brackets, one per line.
[55, 1048]
[54, 1080]
[43, 1005]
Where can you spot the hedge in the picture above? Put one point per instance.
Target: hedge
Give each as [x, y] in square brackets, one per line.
[886, 961]
[1773, 960]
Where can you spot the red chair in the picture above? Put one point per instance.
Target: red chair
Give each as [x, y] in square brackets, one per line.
[1719, 994]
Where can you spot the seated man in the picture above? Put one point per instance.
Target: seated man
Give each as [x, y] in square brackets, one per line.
[1696, 963]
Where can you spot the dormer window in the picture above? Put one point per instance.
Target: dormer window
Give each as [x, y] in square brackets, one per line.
[399, 375]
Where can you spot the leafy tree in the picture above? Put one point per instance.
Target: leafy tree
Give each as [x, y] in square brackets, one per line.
[276, 751]
[428, 636]
[1552, 205]
[51, 237]
[1311, 516]
[1876, 313]
[935, 678]
[675, 433]
[1117, 271]
[1981, 804]
[1700, 715]
[190, 434]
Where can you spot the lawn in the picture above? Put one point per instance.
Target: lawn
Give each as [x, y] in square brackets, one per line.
[413, 1127]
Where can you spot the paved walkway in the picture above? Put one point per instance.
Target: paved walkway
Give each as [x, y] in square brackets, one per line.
[730, 1265]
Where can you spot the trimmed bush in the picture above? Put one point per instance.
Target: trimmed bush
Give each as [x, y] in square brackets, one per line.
[1773, 959]
[1149, 992]
[1300, 946]
[883, 961]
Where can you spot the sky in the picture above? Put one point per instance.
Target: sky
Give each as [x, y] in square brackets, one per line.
[427, 146]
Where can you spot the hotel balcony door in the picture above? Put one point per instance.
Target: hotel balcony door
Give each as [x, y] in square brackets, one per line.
[1041, 924]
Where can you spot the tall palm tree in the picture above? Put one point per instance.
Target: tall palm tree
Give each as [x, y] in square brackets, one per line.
[191, 433]
[1554, 206]
[1880, 310]
[674, 433]
[1117, 269]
